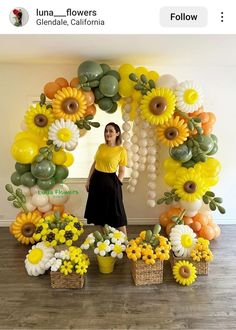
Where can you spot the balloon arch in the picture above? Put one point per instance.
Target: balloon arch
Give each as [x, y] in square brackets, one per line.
[155, 109]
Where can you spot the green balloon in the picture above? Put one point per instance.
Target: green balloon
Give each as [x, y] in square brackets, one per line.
[207, 144]
[61, 173]
[105, 104]
[108, 85]
[15, 179]
[28, 180]
[90, 69]
[105, 67]
[114, 73]
[43, 170]
[181, 153]
[22, 168]
[46, 184]
[213, 150]
[113, 109]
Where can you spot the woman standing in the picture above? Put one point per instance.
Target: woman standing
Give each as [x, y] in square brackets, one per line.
[105, 202]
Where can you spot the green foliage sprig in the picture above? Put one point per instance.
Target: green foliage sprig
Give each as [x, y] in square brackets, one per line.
[43, 101]
[17, 197]
[142, 84]
[87, 123]
[209, 198]
[191, 122]
[169, 197]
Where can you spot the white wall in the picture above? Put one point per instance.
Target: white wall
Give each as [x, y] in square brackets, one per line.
[19, 81]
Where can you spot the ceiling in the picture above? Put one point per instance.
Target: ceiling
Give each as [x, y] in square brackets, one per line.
[219, 50]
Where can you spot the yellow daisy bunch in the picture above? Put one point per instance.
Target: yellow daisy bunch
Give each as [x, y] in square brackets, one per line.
[149, 257]
[201, 250]
[66, 268]
[41, 230]
[133, 252]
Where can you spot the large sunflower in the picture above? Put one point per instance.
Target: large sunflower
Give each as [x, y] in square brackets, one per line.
[24, 226]
[190, 186]
[38, 119]
[173, 132]
[69, 103]
[189, 96]
[184, 272]
[158, 106]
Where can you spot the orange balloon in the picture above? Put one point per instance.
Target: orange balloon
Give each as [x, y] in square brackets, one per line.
[74, 82]
[187, 220]
[216, 229]
[62, 82]
[59, 208]
[196, 113]
[89, 97]
[164, 219]
[204, 117]
[91, 110]
[207, 232]
[196, 226]
[203, 219]
[169, 227]
[50, 89]
[174, 211]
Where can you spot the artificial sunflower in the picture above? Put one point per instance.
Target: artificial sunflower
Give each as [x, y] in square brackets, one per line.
[184, 272]
[23, 228]
[64, 134]
[38, 119]
[69, 103]
[189, 97]
[183, 240]
[158, 106]
[173, 132]
[190, 185]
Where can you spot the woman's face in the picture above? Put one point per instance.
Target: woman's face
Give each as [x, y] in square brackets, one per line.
[110, 134]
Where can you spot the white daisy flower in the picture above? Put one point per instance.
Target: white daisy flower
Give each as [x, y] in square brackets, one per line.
[64, 134]
[117, 237]
[102, 248]
[88, 242]
[64, 255]
[189, 97]
[37, 258]
[183, 240]
[56, 265]
[117, 250]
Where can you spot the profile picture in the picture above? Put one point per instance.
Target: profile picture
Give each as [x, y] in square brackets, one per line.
[19, 16]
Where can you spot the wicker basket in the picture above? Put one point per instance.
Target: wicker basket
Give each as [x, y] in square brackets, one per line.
[70, 281]
[144, 274]
[201, 266]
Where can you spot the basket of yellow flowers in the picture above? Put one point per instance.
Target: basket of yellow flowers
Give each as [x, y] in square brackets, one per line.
[147, 253]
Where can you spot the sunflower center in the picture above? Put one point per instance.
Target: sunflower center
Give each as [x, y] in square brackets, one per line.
[171, 133]
[190, 96]
[64, 134]
[186, 240]
[28, 229]
[35, 256]
[70, 105]
[41, 120]
[184, 271]
[158, 105]
[190, 187]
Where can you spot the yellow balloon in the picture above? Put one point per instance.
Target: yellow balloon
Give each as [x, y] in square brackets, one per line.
[212, 166]
[59, 157]
[126, 87]
[69, 159]
[153, 75]
[211, 181]
[171, 165]
[141, 70]
[170, 178]
[31, 137]
[24, 151]
[133, 112]
[126, 69]
[136, 95]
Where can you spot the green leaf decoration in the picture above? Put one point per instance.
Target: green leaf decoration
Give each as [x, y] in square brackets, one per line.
[160, 201]
[133, 77]
[9, 188]
[218, 200]
[89, 117]
[87, 126]
[212, 206]
[205, 199]
[210, 194]
[17, 204]
[143, 78]
[94, 124]
[221, 209]
[11, 198]
[151, 84]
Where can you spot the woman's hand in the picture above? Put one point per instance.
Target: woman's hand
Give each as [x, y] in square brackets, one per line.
[87, 186]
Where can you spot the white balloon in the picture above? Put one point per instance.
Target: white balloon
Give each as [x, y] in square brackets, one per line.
[135, 129]
[72, 147]
[142, 167]
[127, 145]
[145, 124]
[133, 182]
[151, 133]
[135, 148]
[151, 142]
[125, 136]
[167, 80]
[152, 176]
[59, 194]
[39, 199]
[151, 194]
[190, 213]
[135, 157]
[34, 190]
[130, 163]
[125, 117]
[151, 168]
[151, 159]
[152, 151]
[191, 206]
[135, 174]
[142, 133]
[136, 166]
[25, 190]
[151, 185]
[143, 143]
[127, 107]
[151, 203]
[142, 159]
[137, 121]
[134, 139]
[131, 189]
[45, 208]
[30, 207]
[143, 151]
[126, 127]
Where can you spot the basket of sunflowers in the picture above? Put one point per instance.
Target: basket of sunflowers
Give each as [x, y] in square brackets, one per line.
[147, 253]
[68, 268]
[186, 246]
[58, 231]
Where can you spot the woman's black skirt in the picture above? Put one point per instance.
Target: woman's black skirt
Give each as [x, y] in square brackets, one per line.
[105, 202]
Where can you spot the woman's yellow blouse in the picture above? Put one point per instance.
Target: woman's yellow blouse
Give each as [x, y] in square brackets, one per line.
[107, 158]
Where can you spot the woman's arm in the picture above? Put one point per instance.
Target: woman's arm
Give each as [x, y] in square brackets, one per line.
[121, 173]
[90, 174]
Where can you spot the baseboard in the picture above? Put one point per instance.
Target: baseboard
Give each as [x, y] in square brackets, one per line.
[135, 221]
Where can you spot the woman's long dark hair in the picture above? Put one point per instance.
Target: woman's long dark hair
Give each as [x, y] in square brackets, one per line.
[117, 129]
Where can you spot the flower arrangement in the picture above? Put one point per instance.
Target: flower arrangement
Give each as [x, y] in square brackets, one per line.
[149, 246]
[68, 261]
[111, 243]
[184, 272]
[201, 251]
[56, 229]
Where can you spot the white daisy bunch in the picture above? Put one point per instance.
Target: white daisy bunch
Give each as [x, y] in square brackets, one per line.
[189, 96]
[64, 255]
[117, 250]
[89, 241]
[64, 134]
[37, 259]
[54, 264]
[118, 237]
[103, 248]
[183, 240]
